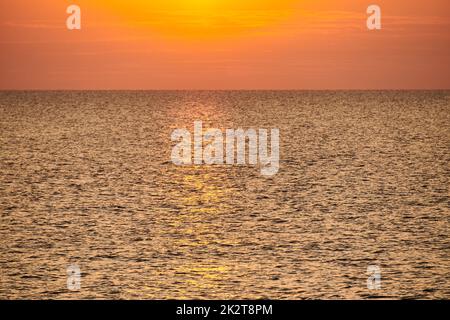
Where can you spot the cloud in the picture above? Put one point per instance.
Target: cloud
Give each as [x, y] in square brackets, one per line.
[36, 24]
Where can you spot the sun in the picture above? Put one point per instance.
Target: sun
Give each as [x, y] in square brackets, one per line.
[203, 18]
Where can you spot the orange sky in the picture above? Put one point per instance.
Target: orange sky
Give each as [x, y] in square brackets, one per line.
[224, 44]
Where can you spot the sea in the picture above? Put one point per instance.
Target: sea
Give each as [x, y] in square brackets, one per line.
[92, 207]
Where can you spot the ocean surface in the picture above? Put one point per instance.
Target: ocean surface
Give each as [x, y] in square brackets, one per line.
[86, 180]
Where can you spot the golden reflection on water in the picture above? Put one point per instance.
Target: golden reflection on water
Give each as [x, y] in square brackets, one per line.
[201, 200]
[203, 193]
[202, 277]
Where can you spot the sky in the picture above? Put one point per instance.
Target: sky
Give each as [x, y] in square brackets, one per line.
[224, 44]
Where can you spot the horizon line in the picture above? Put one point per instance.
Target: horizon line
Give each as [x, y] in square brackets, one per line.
[256, 89]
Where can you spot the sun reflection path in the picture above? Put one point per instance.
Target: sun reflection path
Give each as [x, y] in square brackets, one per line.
[201, 201]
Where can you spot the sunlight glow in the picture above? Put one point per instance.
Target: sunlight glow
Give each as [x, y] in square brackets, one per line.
[203, 18]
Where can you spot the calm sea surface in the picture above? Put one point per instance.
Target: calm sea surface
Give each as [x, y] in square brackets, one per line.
[86, 179]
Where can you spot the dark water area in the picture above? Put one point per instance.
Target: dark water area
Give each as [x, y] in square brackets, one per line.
[86, 179]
